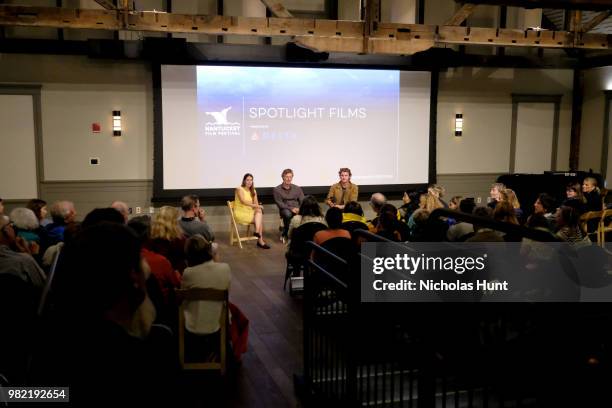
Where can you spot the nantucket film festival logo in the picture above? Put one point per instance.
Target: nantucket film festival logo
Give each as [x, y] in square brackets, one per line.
[221, 126]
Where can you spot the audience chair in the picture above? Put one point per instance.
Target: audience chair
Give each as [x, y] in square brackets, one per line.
[605, 226]
[195, 294]
[298, 252]
[234, 234]
[588, 226]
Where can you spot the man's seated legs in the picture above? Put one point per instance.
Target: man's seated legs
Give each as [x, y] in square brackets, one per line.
[286, 215]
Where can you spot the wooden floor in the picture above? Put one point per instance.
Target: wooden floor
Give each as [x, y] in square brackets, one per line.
[265, 377]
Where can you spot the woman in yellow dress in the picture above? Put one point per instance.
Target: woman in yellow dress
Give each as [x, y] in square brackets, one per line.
[247, 209]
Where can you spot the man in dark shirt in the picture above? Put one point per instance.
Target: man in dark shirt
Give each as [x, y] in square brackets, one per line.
[193, 220]
[288, 198]
[592, 194]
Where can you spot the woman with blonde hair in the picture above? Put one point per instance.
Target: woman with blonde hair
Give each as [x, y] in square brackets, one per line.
[167, 237]
[509, 196]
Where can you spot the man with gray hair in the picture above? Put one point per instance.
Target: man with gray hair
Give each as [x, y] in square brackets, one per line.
[377, 200]
[62, 214]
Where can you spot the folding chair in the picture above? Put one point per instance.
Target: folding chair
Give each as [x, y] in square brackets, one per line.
[234, 234]
[196, 294]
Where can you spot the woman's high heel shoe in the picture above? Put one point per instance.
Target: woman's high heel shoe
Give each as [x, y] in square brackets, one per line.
[263, 246]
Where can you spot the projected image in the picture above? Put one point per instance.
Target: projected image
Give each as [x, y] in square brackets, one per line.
[264, 119]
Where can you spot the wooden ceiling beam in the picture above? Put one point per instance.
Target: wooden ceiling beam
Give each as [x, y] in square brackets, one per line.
[461, 15]
[558, 4]
[107, 4]
[595, 21]
[277, 8]
[324, 35]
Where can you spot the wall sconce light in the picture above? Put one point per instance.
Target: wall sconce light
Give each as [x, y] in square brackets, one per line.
[459, 124]
[117, 123]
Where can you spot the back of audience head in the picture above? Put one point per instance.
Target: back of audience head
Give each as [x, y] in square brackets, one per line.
[333, 217]
[377, 200]
[123, 209]
[567, 217]
[63, 212]
[198, 250]
[39, 207]
[467, 205]
[310, 207]
[387, 217]
[537, 220]
[99, 215]
[24, 219]
[507, 194]
[101, 270]
[353, 207]
[504, 212]
[189, 202]
[432, 202]
[455, 202]
[484, 212]
[436, 190]
[141, 226]
[544, 204]
[421, 216]
[165, 224]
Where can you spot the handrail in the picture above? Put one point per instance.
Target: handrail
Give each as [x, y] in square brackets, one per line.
[370, 236]
[537, 235]
[319, 248]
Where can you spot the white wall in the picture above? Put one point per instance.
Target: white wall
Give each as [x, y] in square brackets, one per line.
[76, 92]
[484, 97]
[596, 81]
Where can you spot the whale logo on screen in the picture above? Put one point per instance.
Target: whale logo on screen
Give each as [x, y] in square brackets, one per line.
[221, 126]
[220, 117]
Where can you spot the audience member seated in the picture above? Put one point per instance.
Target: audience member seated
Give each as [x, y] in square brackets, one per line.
[495, 194]
[454, 202]
[310, 211]
[165, 276]
[437, 192]
[377, 200]
[27, 227]
[546, 206]
[98, 215]
[353, 218]
[101, 328]
[333, 217]
[202, 317]
[21, 283]
[40, 209]
[417, 225]
[123, 209]
[167, 237]
[16, 258]
[592, 194]
[575, 198]
[390, 227]
[504, 212]
[462, 230]
[509, 195]
[193, 220]
[484, 234]
[569, 229]
[2, 209]
[247, 209]
[411, 200]
[62, 214]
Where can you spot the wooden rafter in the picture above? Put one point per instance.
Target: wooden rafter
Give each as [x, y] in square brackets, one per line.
[461, 15]
[277, 8]
[595, 21]
[107, 4]
[324, 35]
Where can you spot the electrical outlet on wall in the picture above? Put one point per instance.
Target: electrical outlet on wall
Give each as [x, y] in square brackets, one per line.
[138, 210]
[94, 161]
[479, 200]
[151, 210]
